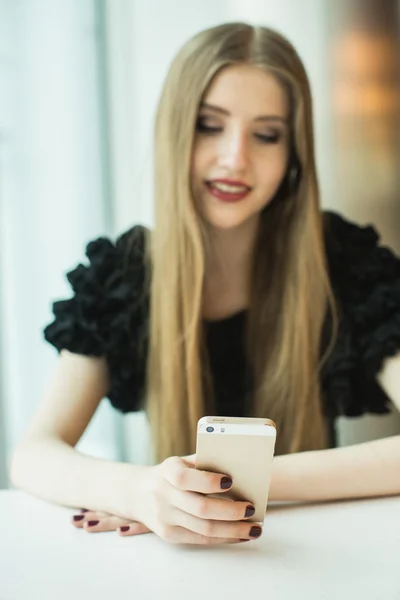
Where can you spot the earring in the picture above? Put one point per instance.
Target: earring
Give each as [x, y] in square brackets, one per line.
[293, 178]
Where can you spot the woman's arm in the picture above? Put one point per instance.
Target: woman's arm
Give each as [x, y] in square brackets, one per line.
[363, 470]
[172, 499]
[359, 471]
[45, 462]
[54, 471]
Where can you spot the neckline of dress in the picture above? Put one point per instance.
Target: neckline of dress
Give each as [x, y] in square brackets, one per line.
[232, 317]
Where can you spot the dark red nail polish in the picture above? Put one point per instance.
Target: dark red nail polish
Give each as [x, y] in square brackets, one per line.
[125, 528]
[93, 523]
[84, 510]
[250, 510]
[226, 483]
[78, 518]
[244, 540]
[255, 531]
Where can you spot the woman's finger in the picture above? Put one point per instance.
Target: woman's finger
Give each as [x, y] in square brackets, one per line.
[79, 520]
[205, 507]
[179, 473]
[108, 523]
[133, 529]
[217, 529]
[181, 535]
[97, 521]
[190, 460]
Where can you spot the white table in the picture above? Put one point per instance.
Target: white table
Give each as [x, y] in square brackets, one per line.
[340, 551]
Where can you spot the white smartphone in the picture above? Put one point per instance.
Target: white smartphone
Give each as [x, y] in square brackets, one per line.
[242, 448]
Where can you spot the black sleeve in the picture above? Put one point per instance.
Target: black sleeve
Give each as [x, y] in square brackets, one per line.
[366, 282]
[108, 314]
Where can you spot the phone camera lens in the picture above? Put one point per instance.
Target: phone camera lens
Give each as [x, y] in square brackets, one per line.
[210, 429]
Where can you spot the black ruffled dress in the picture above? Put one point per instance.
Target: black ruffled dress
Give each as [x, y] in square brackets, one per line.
[108, 316]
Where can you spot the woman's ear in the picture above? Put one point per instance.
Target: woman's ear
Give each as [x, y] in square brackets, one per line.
[294, 172]
[289, 184]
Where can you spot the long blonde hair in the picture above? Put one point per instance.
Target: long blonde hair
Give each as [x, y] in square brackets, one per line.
[291, 293]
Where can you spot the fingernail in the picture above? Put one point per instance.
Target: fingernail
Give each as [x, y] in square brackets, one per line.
[226, 483]
[250, 510]
[84, 510]
[255, 531]
[93, 523]
[78, 517]
[244, 540]
[124, 529]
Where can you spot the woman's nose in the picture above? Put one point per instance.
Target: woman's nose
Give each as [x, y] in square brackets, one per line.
[234, 153]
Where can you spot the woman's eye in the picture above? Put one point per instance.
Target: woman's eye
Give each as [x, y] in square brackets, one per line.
[203, 127]
[268, 139]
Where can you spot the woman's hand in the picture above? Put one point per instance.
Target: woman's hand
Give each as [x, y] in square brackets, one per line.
[97, 522]
[174, 503]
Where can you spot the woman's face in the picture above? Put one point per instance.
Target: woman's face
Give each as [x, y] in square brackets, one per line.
[241, 146]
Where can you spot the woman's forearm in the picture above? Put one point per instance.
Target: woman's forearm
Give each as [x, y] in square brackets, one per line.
[363, 470]
[52, 470]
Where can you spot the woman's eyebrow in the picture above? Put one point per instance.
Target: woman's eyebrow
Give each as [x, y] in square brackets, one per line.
[223, 111]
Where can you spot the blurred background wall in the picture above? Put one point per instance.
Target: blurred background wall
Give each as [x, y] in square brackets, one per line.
[54, 189]
[364, 55]
[79, 82]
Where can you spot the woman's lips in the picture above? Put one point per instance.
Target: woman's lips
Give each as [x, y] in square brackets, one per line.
[226, 196]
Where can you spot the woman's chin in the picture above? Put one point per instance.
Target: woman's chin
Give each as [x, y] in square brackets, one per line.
[229, 222]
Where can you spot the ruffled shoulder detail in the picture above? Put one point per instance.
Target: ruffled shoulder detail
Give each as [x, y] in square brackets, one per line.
[366, 282]
[108, 313]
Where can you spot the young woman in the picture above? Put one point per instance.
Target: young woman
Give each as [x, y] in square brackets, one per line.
[245, 299]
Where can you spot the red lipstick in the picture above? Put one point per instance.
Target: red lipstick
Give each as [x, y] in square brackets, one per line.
[219, 188]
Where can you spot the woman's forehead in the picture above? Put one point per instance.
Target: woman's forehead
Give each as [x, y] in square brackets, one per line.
[247, 90]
